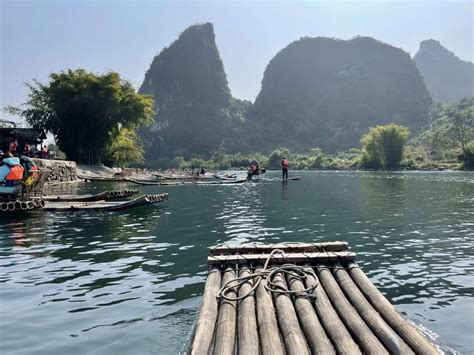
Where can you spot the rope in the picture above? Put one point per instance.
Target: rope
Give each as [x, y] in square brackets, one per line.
[297, 272]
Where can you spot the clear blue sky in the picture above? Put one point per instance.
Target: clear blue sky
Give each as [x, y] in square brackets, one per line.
[44, 36]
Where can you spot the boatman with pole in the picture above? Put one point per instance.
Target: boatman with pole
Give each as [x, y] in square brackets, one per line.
[284, 168]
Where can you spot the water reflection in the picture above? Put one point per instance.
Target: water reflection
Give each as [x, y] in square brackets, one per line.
[284, 190]
[242, 214]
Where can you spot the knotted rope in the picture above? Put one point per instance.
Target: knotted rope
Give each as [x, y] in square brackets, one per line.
[297, 272]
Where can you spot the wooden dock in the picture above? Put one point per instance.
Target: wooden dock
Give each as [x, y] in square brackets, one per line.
[297, 298]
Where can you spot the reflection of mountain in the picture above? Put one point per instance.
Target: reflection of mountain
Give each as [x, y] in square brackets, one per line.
[447, 77]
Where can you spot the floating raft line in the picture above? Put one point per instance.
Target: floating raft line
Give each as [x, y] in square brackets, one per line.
[102, 178]
[186, 182]
[103, 196]
[256, 301]
[106, 205]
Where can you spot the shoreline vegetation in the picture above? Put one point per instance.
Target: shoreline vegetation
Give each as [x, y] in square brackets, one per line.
[348, 160]
[383, 148]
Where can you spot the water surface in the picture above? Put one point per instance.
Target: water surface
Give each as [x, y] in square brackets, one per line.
[131, 282]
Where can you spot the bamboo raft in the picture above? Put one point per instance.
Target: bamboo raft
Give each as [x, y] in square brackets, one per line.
[105, 205]
[7, 207]
[102, 196]
[95, 178]
[184, 182]
[331, 308]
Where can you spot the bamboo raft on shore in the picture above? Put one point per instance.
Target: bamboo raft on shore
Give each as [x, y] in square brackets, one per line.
[102, 196]
[297, 298]
[105, 205]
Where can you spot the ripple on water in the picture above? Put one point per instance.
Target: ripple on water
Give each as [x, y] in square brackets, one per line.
[131, 282]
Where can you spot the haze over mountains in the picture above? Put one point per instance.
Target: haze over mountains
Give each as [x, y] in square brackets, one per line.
[316, 92]
[447, 77]
[326, 92]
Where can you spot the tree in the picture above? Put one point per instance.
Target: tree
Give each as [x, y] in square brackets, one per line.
[85, 111]
[383, 146]
[451, 129]
[467, 156]
[276, 157]
[125, 148]
[460, 123]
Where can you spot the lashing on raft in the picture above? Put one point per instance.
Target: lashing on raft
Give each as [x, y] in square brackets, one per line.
[297, 298]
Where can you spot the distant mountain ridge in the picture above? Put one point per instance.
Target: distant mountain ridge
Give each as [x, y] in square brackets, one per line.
[447, 77]
[327, 92]
[316, 92]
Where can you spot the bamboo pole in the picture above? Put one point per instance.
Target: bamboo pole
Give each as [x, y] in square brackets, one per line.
[208, 314]
[246, 318]
[316, 337]
[390, 339]
[282, 258]
[225, 333]
[287, 247]
[361, 332]
[335, 329]
[295, 343]
[409, 333]
[270, 341]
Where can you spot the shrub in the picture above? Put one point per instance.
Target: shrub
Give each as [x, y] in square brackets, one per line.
[383, 146]
[467, 156]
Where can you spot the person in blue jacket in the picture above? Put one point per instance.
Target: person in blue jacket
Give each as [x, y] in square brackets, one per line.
[11, 173]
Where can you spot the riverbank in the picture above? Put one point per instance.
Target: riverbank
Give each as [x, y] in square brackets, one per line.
[67, 172]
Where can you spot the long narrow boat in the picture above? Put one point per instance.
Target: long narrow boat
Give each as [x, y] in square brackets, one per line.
[101, 178]
[298, 298]
[102, 196]
[106, 205]
[155, 182]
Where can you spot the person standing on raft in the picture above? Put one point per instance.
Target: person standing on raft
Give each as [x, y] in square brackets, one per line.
[253, 170]
[284, 168]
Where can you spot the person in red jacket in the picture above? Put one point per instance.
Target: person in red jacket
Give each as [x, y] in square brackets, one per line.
[284, 168]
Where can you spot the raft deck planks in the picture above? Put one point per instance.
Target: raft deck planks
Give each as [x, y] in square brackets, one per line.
[347, 315]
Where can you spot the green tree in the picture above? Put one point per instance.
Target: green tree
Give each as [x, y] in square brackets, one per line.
[85, 111]
[126, 148]
[467, 156]
[460, 119]
[383, 146]
[274, 160]
[451, 130]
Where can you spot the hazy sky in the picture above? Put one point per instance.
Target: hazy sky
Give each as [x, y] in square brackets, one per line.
[43, 36]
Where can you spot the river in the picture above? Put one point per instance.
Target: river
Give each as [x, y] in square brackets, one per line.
[130, 282]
